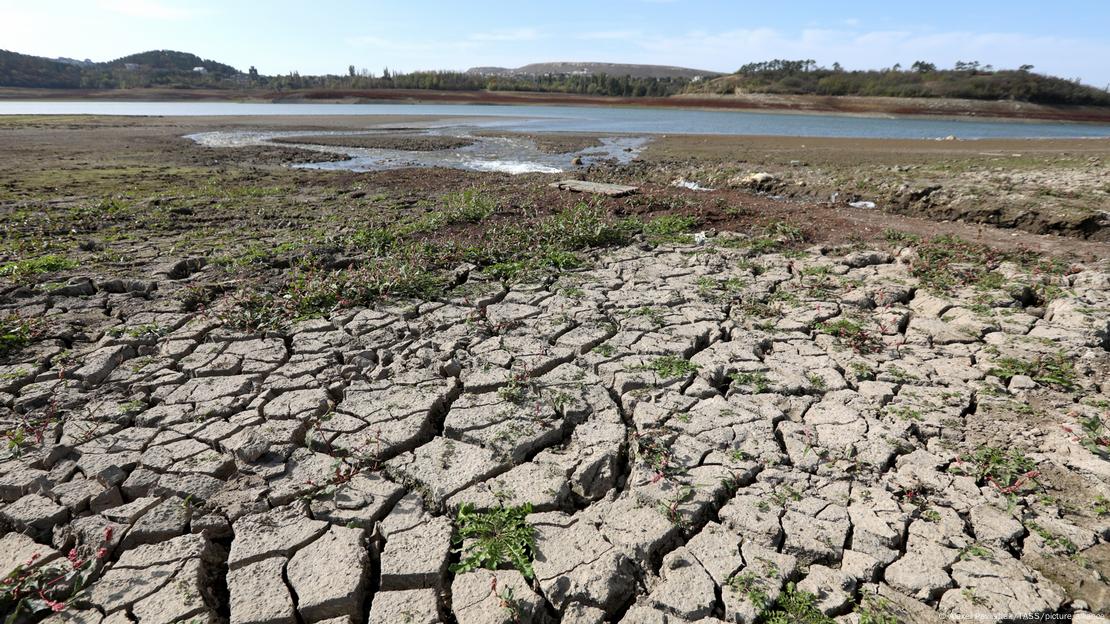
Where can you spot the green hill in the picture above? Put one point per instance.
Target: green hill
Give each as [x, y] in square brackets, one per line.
[921, 80]
[156, 68]
[169, 60]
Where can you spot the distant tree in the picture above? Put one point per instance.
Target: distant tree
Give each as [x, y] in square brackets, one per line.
[253, 73]
[837, 67]
[923, 67]
[1025, 69]
[351, 71]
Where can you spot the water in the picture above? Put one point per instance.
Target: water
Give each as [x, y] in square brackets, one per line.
[602, 119]
[485, 153]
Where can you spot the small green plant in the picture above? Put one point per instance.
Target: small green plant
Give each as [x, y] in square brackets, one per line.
[748, 584]
[32, 588]
[653, 449]
[874, 609]
[853, 334]
[1009, 471]
[1095, 436]
[975, 551]
[1052, 540]
[757, 380]
[670, 367]
[794, 606]
[651, 314]
[605, 349]
[670, 508]
[1052, 370]
[490, 539]
[897, 236]
[1101, 506]
[862, 370]
[17, 332]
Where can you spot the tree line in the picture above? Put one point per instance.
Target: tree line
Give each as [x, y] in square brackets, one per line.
[966, 79]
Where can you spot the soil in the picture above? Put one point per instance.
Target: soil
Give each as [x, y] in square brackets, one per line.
[776, 395]
[70, 161]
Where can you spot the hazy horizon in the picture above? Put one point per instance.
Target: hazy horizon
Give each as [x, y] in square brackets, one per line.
[1071, 40]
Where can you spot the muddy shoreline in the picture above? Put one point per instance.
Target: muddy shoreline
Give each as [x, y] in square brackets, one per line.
[249, 392]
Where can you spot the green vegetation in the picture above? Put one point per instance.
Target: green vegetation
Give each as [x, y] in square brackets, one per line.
[1095, 436]
[145, 69]
[53, 587]
[794, 606]
[16, 332]
[166, 68]
[23, 270]
[497, 537]
[969, 80]
[404, 262]
[1056, 370]
[947, 262]
[1010, 471]
[852, 334]
[670, 367]
[756, 380]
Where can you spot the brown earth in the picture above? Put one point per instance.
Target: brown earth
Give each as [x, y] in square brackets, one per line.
[67, 163]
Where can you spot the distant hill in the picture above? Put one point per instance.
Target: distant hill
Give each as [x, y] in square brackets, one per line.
[589, 69]
[145, 69]
[968, 80]
[169, 60]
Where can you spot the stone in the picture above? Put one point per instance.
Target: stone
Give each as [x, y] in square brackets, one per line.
[329, 576]
[259, 594]
[687, 589]
[417, 558]
[489, 597]
[34, 514]
[277, 532]
[418, 606]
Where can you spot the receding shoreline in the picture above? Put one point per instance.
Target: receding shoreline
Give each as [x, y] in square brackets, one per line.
[805, 104]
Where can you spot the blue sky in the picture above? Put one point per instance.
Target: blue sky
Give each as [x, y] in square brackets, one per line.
[1067, 38]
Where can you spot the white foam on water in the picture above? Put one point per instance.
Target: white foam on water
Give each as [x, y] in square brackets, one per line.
[510, 166]
[688, 184]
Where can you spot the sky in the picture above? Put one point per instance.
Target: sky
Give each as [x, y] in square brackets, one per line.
[1064, 38]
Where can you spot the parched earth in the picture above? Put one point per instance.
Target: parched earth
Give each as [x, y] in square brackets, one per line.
[703, 435]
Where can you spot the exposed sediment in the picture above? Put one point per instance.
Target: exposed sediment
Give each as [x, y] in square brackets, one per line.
[700, 432]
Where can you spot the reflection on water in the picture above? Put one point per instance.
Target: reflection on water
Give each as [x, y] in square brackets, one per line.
[508, 154]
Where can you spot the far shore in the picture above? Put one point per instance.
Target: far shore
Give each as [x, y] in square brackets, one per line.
[806, 104]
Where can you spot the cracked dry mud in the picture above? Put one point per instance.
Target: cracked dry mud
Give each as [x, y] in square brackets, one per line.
[693, 440]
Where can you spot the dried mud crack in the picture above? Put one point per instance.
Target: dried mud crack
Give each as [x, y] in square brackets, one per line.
[704, 434]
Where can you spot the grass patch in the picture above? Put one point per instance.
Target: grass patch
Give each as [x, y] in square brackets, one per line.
[22, 270]
[491, 539]
[16, 333]
[670, 367]
[667, 228]
[1056, 370]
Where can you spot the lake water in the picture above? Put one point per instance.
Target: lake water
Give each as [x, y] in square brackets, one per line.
[629, 120]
